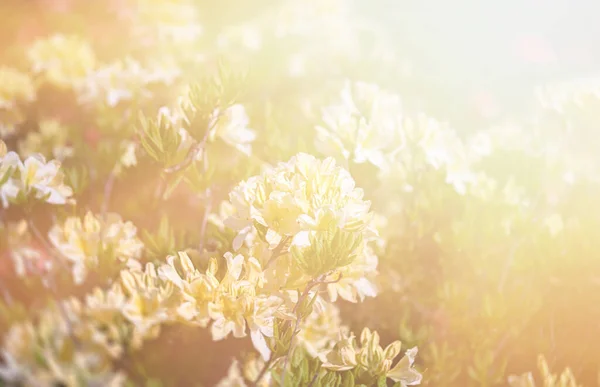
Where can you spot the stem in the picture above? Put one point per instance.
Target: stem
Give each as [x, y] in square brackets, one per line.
[6, 295]
[262, 372]
[277, 252]
[191, 155]
[193, 152]
[108, 188]
[507, 265]
[160, 189]
[51, 284]
[51, 249]
[207, 210]
[314, 282]
[314, 379]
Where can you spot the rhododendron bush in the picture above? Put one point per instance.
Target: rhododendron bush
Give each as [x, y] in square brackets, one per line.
[249, 194]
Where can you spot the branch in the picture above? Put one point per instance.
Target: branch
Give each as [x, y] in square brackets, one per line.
[50, 286]
[314, 379]
[6, 295]
[207, 210]
[194, 150]
[314, 282]
[191, 155]
[108, 188]
[277, 252]
[51, 249]
[262, 373]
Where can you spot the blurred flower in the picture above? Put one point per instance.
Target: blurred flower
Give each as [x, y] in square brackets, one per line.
[34, 177]
[46, 353]
[95, 241]
[150, 302]
[52, 139]
[28, 258]
[366, 126]
[15, 87]
[565, 379]
[369, 361]
[106, 325]
[63, 60]
[125, 80]
[357, 278]
[321, 329]
[231, 126]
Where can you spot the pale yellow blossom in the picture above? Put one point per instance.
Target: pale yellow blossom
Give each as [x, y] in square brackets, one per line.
[85, 243]
[63, 60]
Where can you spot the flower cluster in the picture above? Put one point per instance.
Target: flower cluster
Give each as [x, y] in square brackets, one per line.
[124, 80]
[62, 60]
[369, 361]
[58, 349]
[312, 208]
[370, 125]
[33, 178]
[565, 379]
[51, 139]
[94, 241]
[233, 304]
[321, 329]
[27, 256]
[16, 87]
[365, 126]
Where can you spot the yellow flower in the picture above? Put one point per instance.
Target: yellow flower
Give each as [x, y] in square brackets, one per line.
[300, 195]
[172, 22]
[51, 139]
[86, 242]
[50, 352]
[524, 380]
[197, 289]
[14, 87]
[106, 325]
[63, 60]
[366, 126]
[231, 126]
[369, 361]
[248, 370]
[343, 355]
[124, 80]
[234, 377]
[321, 329]
[403, 372]
[232, 304]
[565, 379]
[150, 302]
[35, 177]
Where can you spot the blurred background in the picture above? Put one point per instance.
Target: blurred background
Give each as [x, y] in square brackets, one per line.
[484, 283]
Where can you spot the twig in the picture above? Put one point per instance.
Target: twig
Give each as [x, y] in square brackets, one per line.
[50, 286]
[193, 152]
[207, 210]
[277, 252]
[262, 372]
[6, 295]
[51, 249]
[507, 265]
[314, 282]
[108, 188]
[160, 189]
[314, 378]
[191, 155]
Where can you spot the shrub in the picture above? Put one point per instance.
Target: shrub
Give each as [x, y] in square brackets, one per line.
[193, 196]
